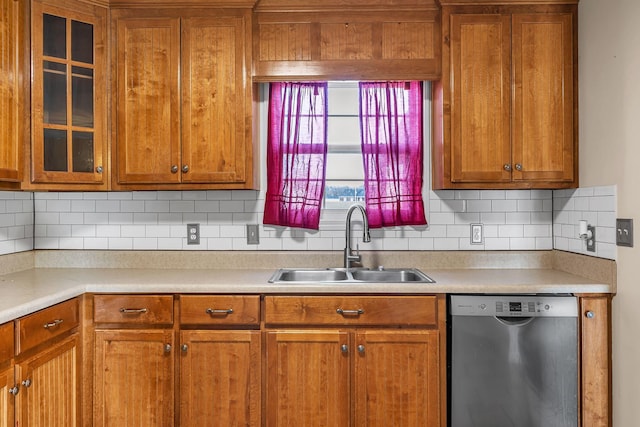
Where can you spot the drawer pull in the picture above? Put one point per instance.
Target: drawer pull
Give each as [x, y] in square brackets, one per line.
[213, 311]
[133, 310]
[53, 324]
[357, 312]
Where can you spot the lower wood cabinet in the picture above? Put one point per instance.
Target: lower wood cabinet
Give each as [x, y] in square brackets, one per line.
[7, 401]
[48, 394]
[382, 359]
[134, 378]
[211, 377]
[219, 378]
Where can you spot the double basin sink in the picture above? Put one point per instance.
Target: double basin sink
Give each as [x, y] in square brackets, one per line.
[342, 275]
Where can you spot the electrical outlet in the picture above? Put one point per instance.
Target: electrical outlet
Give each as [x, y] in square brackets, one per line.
[476, 234]
[624, 232]
[591, 240]
[193, 234]
[253, 234]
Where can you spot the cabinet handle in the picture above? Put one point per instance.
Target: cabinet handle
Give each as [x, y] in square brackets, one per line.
[361, 349]
[590, 314]
[518, 167]
[99, 169]
[344, 348]
[26, 383]
[133, 310]
[167, 348]
[53, 324]
[174, 169]
[507, 167]
[14, 390]
[185, 168]
[212, 311]
[357, 312]
[184, 348]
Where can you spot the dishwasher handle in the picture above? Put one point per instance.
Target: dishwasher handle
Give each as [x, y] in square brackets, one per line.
[514, 321]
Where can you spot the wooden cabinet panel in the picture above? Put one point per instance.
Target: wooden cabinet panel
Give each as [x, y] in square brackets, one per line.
[134, 381]
[220, 310]
[596, 391]
[355, 41]
[220, 378]
[133, 309]
[7, 399]
[396, 374]
[481, 100]
[543, 127]
[323, 310]
[147, 100]
[7, 346]
[46, 324]
[49, 392]
[216, 98]
[308, 378]
[12, 92]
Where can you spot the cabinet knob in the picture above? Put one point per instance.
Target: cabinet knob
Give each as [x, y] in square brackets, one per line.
[507, 167]
[167, 348]
[26, 383]
[14, 390]
[184, 347]
[590, 314]
[185, 168]
[174, 169]
[99, 169]
[361, 349]
[518, 167]
[344, 348]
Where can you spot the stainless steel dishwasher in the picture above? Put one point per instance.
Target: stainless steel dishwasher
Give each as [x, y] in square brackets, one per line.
[513, 361]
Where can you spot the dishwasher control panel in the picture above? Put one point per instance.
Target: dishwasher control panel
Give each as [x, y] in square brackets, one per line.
[514, 306]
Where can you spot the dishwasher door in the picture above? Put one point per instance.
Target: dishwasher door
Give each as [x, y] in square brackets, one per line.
[513, 361]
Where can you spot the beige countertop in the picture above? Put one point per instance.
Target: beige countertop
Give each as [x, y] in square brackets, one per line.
[29, 290]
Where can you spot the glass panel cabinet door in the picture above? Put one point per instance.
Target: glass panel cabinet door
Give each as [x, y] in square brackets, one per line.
[69, 93]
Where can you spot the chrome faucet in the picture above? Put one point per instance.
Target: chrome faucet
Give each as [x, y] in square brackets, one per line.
[350, 257]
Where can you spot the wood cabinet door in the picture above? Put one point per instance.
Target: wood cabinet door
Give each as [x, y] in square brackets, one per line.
[220, 378]
[134, 378]
[147, 102]
[7, 399]
[480, 97]
[397, 378]
[49, 385]
[12, 92]
[216, 99]
[307, 378]
[543, 114]
[595, 330]
[69, 99]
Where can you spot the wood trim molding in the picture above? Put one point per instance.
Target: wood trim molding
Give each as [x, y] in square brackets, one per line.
[181, 3]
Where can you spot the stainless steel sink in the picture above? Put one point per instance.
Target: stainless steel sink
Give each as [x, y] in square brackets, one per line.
[391, 275]
[340, 275]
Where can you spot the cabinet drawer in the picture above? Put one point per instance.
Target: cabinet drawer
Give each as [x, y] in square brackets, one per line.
[45, 324]
[219, 310]
[133, 309]
[6, 341]
[351, 310]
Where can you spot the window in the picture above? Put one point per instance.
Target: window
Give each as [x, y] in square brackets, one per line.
[344, 183]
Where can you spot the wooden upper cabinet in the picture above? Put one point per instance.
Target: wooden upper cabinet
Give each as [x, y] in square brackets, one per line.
[505, 111]
[12, 88]
[69, 96]
[183, 99]
[147, 100]
[346, 40]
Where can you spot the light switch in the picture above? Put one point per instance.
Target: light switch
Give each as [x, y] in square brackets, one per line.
[624, 232]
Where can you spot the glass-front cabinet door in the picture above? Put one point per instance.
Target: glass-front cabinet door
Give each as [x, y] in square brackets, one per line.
[69, 93]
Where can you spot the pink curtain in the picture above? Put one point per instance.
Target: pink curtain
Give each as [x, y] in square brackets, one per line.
[391, 131]
[296, 154]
